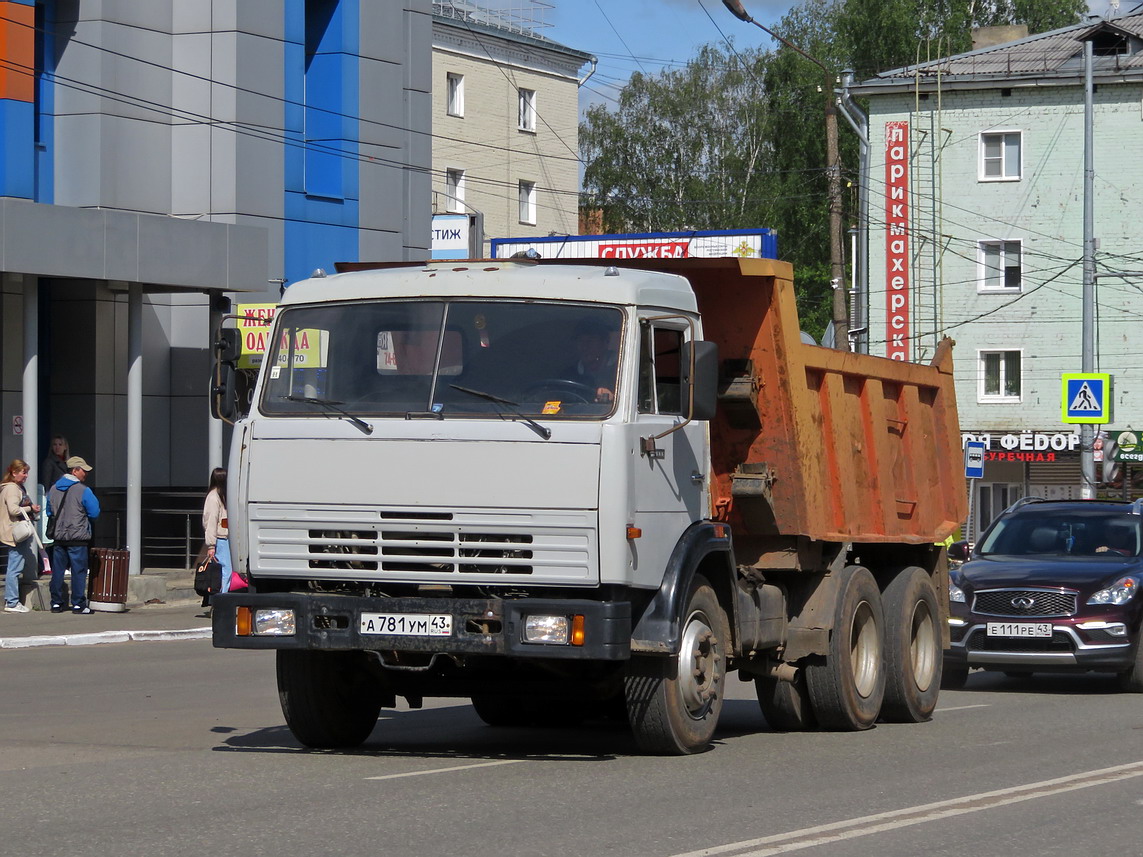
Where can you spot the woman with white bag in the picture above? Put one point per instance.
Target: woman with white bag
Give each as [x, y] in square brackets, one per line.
[16, 532]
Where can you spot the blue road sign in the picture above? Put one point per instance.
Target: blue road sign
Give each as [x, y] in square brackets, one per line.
[974, 459]
[1086, 397]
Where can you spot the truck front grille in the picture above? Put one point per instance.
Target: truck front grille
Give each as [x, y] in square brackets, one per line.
[403, 550]
[411, 545]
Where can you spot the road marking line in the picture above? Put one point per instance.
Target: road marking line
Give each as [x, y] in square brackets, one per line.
[961, 707]
[447, 770]
[837, 831]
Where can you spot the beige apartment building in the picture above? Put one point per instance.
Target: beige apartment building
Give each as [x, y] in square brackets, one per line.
[505, 118]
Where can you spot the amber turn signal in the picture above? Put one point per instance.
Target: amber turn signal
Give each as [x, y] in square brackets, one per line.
[577, 630]
[634, 532]
[244, 622]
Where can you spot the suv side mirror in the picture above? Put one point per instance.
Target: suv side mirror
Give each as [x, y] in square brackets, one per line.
[700, 378]
[958, 551]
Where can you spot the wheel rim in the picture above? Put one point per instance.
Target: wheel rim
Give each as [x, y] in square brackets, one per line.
[700, 665]
[923, 646]
[865, 650]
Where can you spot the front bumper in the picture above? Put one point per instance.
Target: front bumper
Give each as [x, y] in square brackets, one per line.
[1066, 649]
[479, 626]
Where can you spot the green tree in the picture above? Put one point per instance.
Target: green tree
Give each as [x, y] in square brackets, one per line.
[685, 149]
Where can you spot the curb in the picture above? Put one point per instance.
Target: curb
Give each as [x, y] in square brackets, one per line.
[102, 637]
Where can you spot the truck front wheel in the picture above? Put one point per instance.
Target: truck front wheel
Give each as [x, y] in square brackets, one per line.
[913, 651]
[847, 686]
[673, 704]
[330, 699]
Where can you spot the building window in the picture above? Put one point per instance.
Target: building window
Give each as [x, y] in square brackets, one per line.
[454, 190]
[527, 110]
[1000, 269]
[455, 94]
[999, 376]
[1000, 156]
[528, 202]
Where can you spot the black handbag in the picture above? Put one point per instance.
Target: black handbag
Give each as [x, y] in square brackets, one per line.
[208, 577]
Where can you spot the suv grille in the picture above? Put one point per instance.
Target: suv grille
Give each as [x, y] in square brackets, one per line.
[1025, 602]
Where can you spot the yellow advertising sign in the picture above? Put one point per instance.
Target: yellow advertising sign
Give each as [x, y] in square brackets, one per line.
[255, 323]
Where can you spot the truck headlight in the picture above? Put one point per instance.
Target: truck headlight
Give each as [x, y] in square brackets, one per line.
[550, 630]
[275, 623]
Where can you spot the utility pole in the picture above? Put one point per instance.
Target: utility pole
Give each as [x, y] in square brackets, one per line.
[833, 178]
[1087, 433]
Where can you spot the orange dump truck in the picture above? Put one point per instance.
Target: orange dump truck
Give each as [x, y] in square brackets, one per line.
[560, 489]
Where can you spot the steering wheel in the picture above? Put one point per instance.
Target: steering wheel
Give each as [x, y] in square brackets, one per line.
[561, 388]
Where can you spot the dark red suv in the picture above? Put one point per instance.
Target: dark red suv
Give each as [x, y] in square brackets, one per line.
[1051, 586]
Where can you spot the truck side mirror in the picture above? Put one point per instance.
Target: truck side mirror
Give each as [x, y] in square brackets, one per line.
[225, 395]
[700, 378]
[228, 346]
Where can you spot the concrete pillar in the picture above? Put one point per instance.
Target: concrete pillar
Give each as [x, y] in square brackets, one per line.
[135, 427]
[30, 382]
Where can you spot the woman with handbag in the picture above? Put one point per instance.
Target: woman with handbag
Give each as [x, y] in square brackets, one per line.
[214, 525]
[16, 532]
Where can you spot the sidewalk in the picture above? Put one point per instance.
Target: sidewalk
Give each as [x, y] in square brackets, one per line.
[160, 606]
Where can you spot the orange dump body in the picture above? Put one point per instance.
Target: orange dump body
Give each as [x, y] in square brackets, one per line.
[810, 441]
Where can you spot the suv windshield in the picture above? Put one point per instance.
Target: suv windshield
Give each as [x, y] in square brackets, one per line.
[453, 358]
[1064, 532]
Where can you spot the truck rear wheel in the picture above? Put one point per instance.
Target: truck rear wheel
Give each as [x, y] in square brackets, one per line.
[785, 704]
[913, 651]
[673, 704]
[847, 687]
[329, 699]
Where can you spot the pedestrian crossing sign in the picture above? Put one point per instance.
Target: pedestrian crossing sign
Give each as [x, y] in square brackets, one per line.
[1086, 397]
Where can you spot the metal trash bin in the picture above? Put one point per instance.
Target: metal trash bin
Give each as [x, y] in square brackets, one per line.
[107, 580]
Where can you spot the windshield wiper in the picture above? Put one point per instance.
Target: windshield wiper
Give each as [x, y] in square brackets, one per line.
[333, 406]
[542, 431]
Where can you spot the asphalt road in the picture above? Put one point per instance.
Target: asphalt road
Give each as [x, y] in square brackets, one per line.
[176, 748]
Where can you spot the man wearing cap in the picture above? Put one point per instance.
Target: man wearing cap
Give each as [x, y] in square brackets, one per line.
[74, 507]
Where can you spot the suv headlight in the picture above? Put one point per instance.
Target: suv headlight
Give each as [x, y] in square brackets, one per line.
[1120, 592]
[956, 594]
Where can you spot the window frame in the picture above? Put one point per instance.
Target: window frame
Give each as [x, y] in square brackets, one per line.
[454, 89]
[982, 396]
[454, 190]
[982, 268]
[526, 196]
[982, 161]
[526, 110]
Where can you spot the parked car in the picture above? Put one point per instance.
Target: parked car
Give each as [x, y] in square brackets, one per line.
[1051, 586]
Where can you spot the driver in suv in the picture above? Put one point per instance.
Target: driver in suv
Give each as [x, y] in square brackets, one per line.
[1051, 586]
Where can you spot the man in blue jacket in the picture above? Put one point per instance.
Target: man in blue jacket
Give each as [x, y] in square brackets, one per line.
[74, 507]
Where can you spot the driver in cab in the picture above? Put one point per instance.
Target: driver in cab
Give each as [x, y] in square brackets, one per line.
[595, 363]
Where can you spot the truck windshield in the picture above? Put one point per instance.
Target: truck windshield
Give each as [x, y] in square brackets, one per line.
[381, 358]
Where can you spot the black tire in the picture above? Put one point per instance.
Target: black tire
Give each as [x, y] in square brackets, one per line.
[785, 704]
[1131, 680]
[913, 649]
[954, 676]
[673, 704]
[847, 686]
[330, 699]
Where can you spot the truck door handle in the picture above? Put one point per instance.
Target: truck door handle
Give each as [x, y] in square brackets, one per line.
[697, 478]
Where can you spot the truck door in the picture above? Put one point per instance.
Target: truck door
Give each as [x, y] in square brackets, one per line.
[670, 482]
